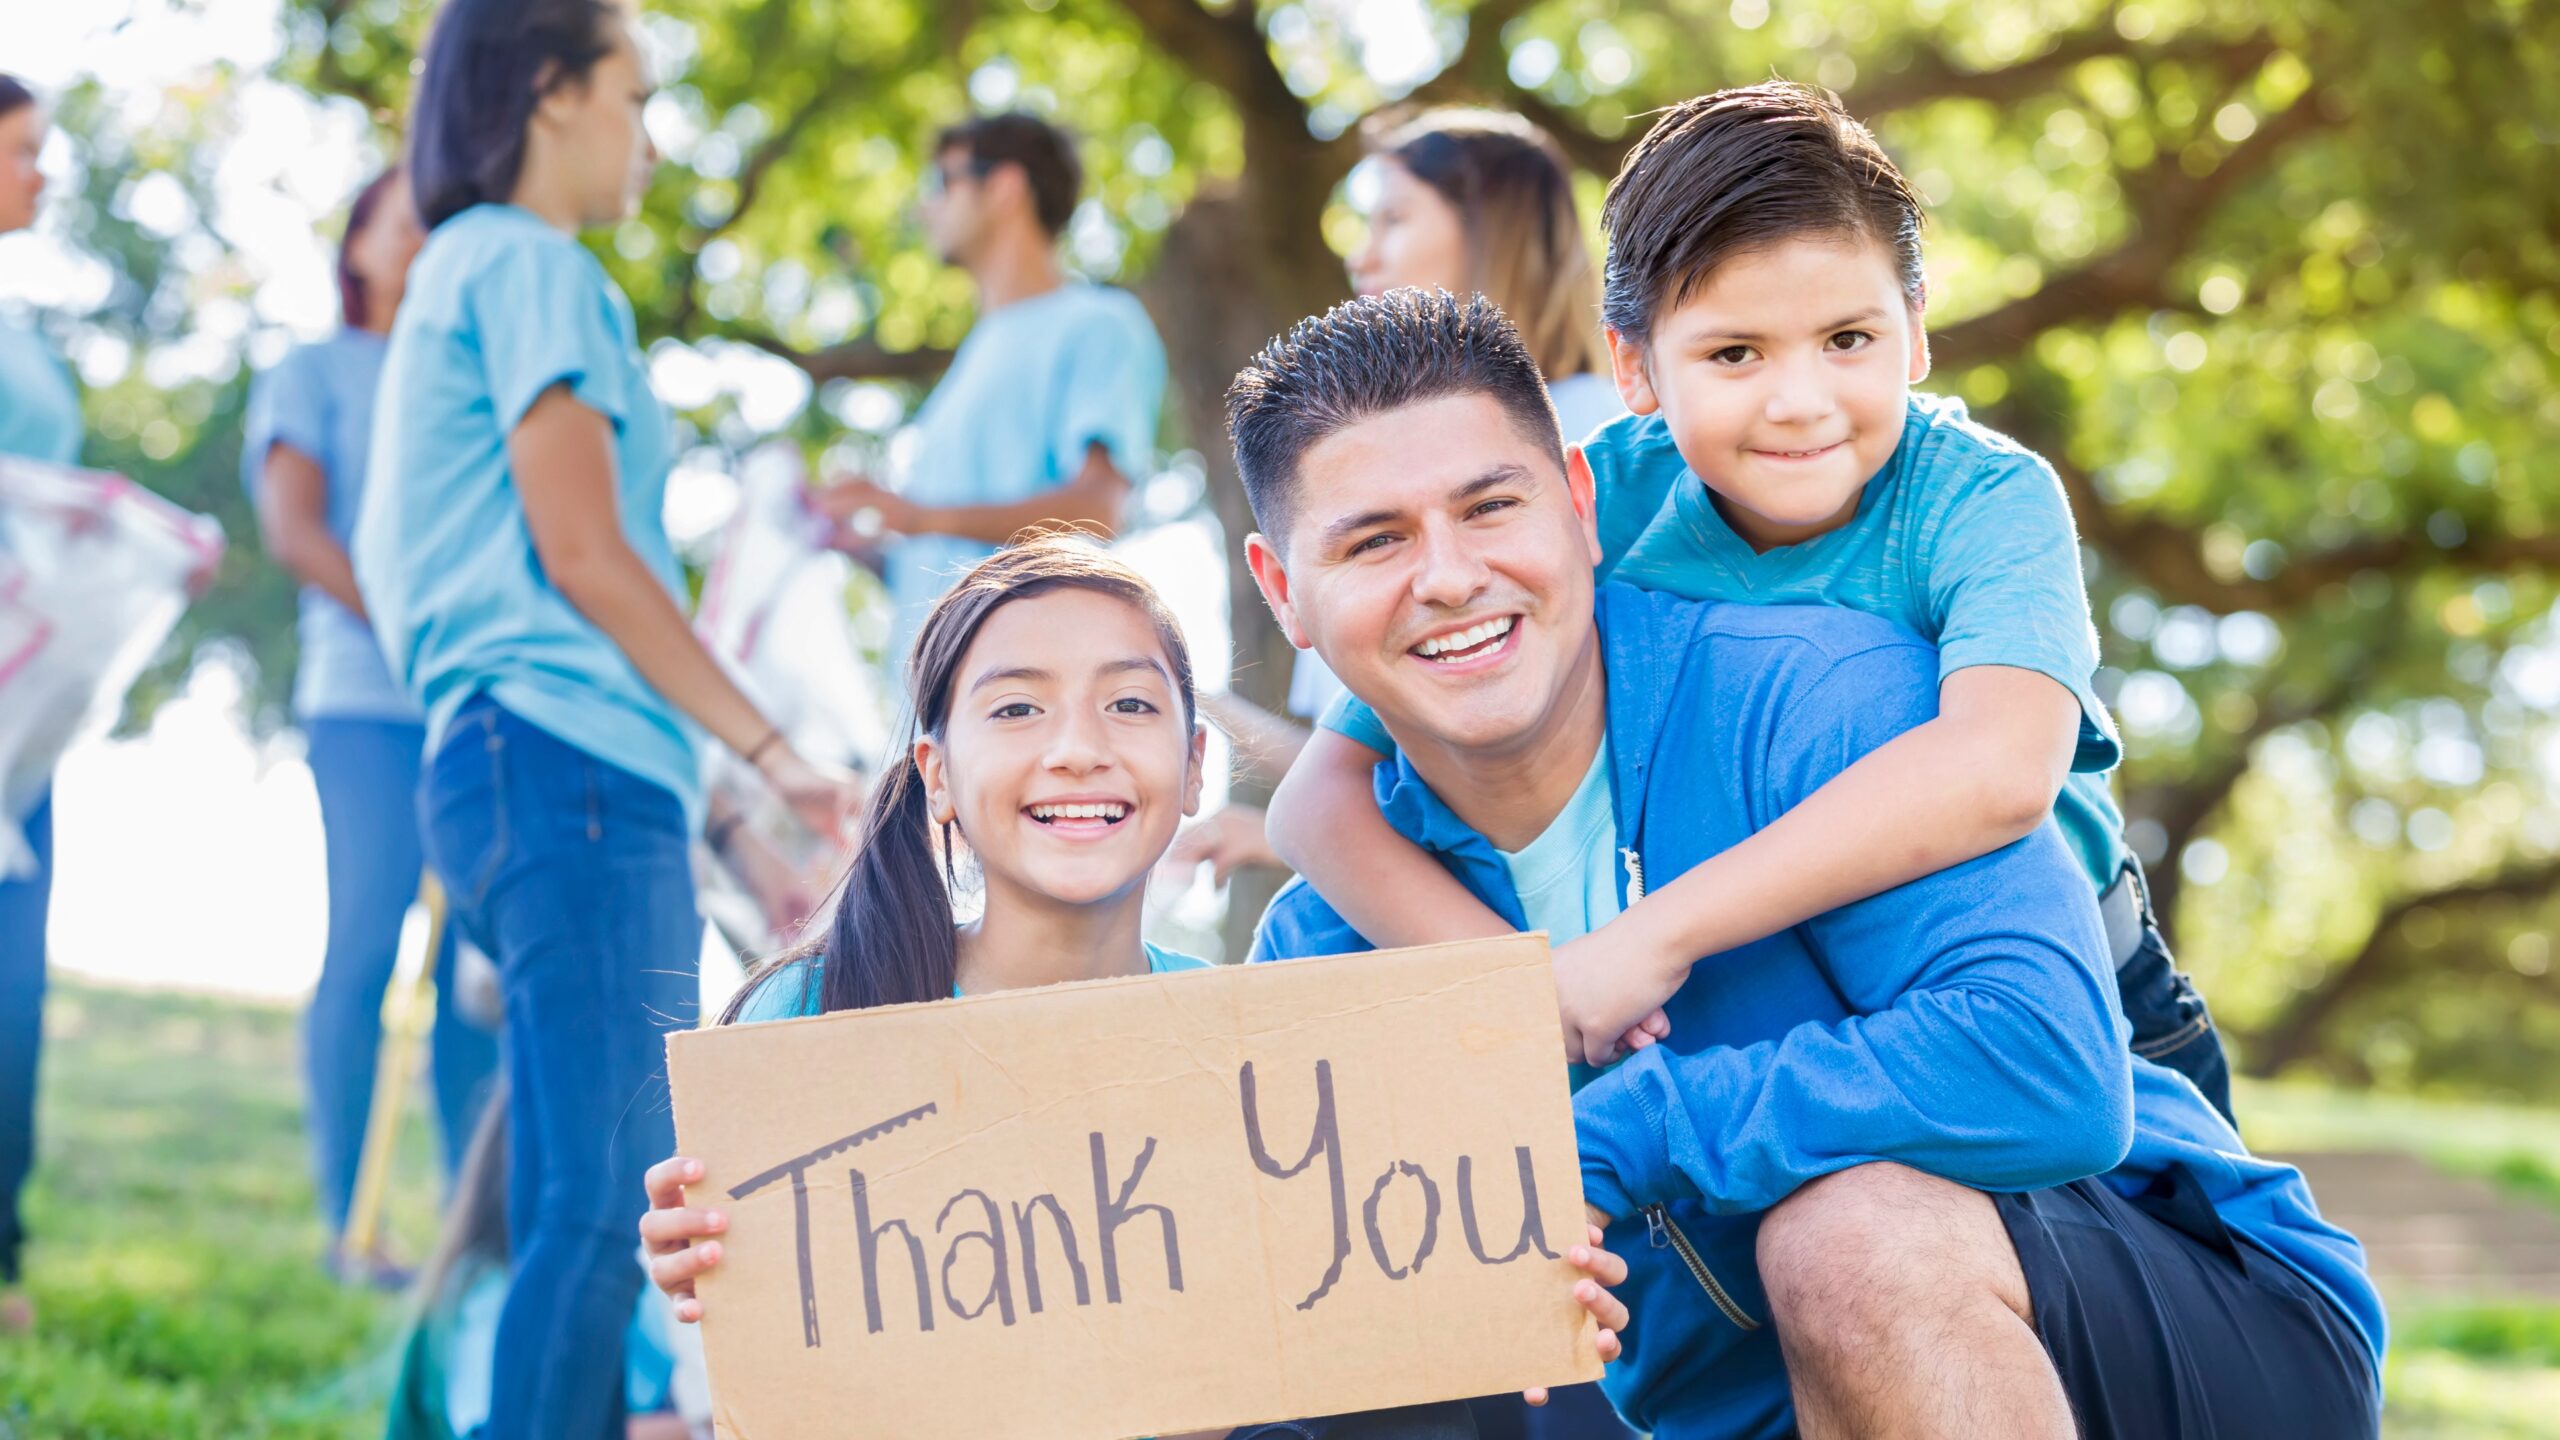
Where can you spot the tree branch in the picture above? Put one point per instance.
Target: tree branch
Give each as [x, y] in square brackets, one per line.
[2181, 810]
[2167, 215]
[2295, 1034]
[1932, 75]
[862, 359]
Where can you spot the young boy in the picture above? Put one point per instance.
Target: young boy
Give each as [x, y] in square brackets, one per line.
[1764, 297]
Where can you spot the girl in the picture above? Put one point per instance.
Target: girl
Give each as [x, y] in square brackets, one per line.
[1050, 677]
[310, 424]
[519, 576]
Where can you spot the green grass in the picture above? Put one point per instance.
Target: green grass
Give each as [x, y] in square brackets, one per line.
[176, 1269]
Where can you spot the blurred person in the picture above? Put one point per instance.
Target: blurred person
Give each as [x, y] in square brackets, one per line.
[514, 559]
[309, 426]
[39, 419]
[1468, 201]
[442, 1392]
[1051, 679]
[1048, 412]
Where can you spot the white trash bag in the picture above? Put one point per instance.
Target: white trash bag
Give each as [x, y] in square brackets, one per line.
[94, 570]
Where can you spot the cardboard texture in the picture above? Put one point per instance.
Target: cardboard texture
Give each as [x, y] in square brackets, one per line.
[1142, 1206]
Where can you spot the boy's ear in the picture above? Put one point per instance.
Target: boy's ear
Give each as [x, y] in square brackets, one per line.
[1585, 491]
[937, 791]
[1919, 369]
[1626, 366]
[1271, 573]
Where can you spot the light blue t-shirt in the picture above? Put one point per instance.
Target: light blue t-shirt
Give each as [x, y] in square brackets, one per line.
[499, 308]
[1964, 538]
[319, 400]
[1567, 878]
[790, 991]
[39, 411]
[1034, 385]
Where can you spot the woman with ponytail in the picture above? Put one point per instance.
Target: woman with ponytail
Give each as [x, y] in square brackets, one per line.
[1057, 743]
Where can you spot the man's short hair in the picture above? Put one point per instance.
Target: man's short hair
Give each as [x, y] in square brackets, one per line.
[1361, 359]
[1046, 154]
[1737, 171]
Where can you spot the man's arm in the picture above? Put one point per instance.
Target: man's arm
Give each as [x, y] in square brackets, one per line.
[1984, 1046]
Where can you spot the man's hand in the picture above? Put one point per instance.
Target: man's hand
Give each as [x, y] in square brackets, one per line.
[1610, 989]
[1227, 841]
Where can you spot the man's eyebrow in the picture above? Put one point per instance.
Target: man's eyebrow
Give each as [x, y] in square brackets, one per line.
[1349, 525]
[1868, 316]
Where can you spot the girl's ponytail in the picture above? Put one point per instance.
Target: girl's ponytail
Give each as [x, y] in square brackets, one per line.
[893, 939]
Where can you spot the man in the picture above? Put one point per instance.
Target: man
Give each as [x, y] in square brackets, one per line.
[1049, 408]
[1897, 1172]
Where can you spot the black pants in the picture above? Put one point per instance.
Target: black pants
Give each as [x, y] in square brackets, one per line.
[2163, 1325]
[2171, 1024]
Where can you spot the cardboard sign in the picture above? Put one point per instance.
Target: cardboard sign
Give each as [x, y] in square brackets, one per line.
[1142, 1206]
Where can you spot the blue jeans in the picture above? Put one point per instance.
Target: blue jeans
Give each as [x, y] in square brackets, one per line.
[573, 874]
[367, 775]
[23, 904]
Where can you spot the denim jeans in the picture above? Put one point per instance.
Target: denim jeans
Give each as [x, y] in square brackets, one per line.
[1572, 1412]
[367, 774]
[572, 873]
[1448, 1421]
[23, 905]
[2172, 1026]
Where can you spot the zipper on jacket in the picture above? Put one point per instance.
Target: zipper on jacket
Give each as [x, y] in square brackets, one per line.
[1635, 874]
[1660, 1229]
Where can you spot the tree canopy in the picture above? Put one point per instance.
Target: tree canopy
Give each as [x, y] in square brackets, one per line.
[2275, 284]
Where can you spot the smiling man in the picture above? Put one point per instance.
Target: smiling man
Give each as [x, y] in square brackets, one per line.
[1897, 1171]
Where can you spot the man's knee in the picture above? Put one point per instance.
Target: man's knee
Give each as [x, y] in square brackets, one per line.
[1881, 1246]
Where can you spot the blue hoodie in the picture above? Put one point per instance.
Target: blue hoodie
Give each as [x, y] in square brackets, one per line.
[1965, 1024]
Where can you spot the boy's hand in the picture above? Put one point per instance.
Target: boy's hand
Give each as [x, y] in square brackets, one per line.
[669, 1232]
[1610, 990]
[1600, 1270]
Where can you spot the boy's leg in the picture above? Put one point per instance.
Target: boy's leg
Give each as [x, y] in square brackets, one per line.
[2171, 1024]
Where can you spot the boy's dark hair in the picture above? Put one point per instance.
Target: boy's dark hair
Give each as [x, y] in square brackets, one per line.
[1737, 171]
[1363, 358]
[1046, 154]
[488, 64]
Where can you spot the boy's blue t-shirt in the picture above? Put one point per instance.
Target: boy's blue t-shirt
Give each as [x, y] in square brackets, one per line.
[499, 308]
[319, 400]
[1963, 538]
[790, 990]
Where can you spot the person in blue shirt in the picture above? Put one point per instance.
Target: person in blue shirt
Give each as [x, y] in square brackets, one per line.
[513, 557]
[39, 419]
[309, 426]
[1896, 1169]
[1048, 412]
[1058, 738]
[1764, 298]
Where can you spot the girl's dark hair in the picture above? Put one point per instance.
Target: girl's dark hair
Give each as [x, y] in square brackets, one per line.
[14, 93]
[488, 64]
[351, 306]
[1740, 170]
[894, 937]
[1513, 192]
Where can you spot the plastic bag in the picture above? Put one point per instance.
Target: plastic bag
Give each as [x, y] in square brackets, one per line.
[94, 570]
[773, 611]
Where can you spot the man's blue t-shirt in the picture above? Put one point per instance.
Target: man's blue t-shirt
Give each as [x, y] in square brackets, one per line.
[319, 400]
[500, 307]
[1033, 387]
[1963, 538]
